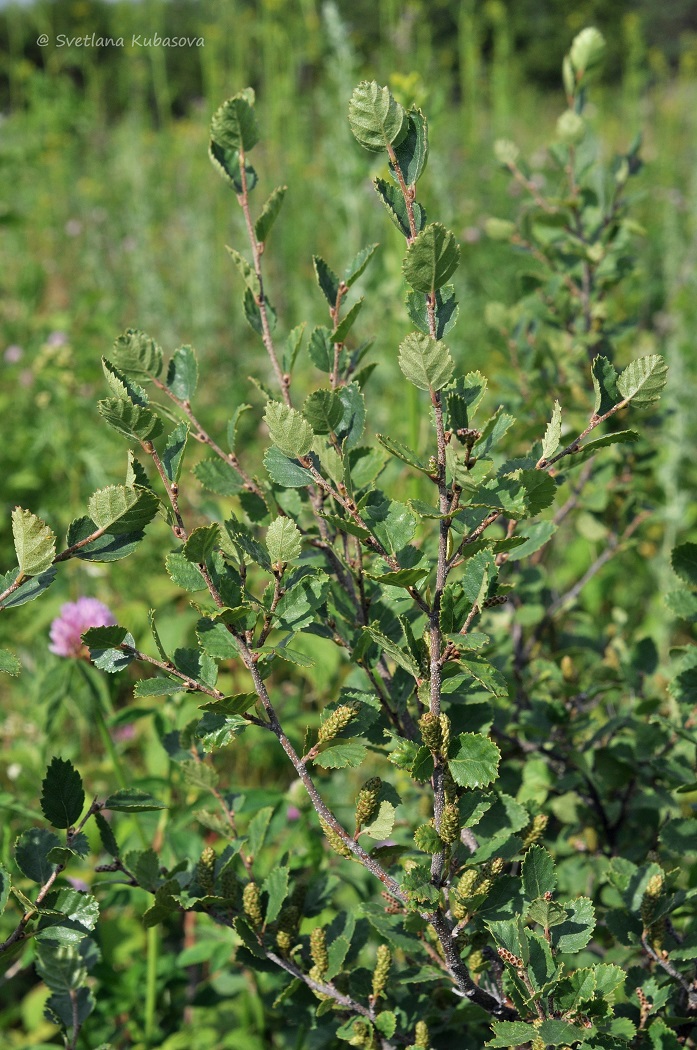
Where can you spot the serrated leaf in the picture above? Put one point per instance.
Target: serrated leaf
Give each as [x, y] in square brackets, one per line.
[474, 760]
[326, 279]
[234, 124]
[589, 448]
[182, 373]
[31, 853]
[109, 656]
[511, 1033]
[431, 259]
[539, 874]
[288, 429]
[232, 705]
[215, 640]
[412, 151]
[287, 473]
[393, 201]
[403, 452]
[276, 886]
[9, 663]
[340, 754]
[358, 264]
[400, 656]
[106, 835]
[488, 677]
[184, 573]
[380, 827]
[135, 351]
[35, 543]
[324, 410]
[643, 380]
[173, 452]
[5, 883]
[283, 541]
[550, 442]
[401, 578]
[158, 687]
[605, 385]
[133, 421]
[269, 213]
[219, 477]
[118, 509]
[320, 349]
[105, 548]
[376, 119]
[62, 794]
[201, 543]
[246, 271]
[446, 311]
[27, 591]
[346, 324]
[252, 312]
[121, 385]
[684, 562]
[577, 929]
[132, 800]
[425, 362]
[537, 535]
[350, 428]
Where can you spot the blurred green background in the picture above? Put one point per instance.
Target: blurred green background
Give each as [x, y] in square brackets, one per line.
[112, 217]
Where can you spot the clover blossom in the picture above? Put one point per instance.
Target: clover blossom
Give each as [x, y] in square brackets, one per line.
[74, 619]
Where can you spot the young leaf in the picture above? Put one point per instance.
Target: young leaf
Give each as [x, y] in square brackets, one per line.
[184, 573]
[400, 656]
[234, 124]
[62, 795]
[539, 874]
[182, 373]
[425, 362]
[252, 312]
[35, 543]
[134, 351]
[121, 386]
[393, 202]
[326, 279]
[431, 259]
[446, 311]
[215, 640]
[346, 324]
[283, 541]
[201, 543]
[358, 264]
[412, 151]
[376, 119]
[684, 562]
[605, 385]
[474, 760]
[550, 442]
[269, 213]
[288, 429]
[132, 800]
[173, 452]
[403, 452]
[133, 421]
[324, 410]
[246, 271]
[643, 380]
[119, 509]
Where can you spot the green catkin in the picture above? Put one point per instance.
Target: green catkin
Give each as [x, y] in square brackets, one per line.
[431, 731]
[450, 823]
[381, 971]
[335, 840]
[251, 904]
[422, 1038]
[652, 895]
[367, 801]
[318, 951]
[229, 884]
[287, 928]
[205, 871]
[338, 720]
[535, 831]
[445, 733]
[476, 961]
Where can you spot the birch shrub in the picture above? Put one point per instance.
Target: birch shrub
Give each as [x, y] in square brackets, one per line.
[480, 839]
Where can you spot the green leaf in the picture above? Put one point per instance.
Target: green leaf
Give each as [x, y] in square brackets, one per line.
[134, 351]
[340, 754]
[550, 442]
[575, 932]
[346, 324]
[231, 705]
[216, 640]
[122, 386]
[107, 654]
[358, 264]
[158, 687]
[412, 151]
[605, 385]
[234, 124]
[376, 119]
[289, 430]
[403, 452]
[326, 279]
[380, 827]
[324, 410]
[427, 839]
[133, 421]
[276, 886]
[105, 548]
[182, 373]
[512, 1033]
[27, 591]
[350, 429]
[201, 543]
[252, 312]
[5, 883]
[35, 543]
[425, 362]
[246, 271]
[431, 259]
[283, 541]
[320, 348]
[402, 578]
[538, 534]
[643, 380]
[132, 800]
[269, 213]
[684, 562]
[173, 452]
[483, 672]
[119, 509]
[287, 473]
[540, 489]
[258, 828]
[474, 760]
[539, 874]
[393, 524]
[62, 794]
[31, 853]
[589, 448]
[106, 835]
[184, 573]
[446, 311]
[219, 477]
[243, 540]
[393, 201]
[9, 662]
[559, 1033]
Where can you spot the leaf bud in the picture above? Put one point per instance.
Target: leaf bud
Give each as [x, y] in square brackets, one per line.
[381, 971]
[367, 801]
[450, 823]
[587, 50]
[251, 904]
[335, 840]
[318, 950]
[338, 720]
[571, 127]
[431, 731]
[205, 871]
